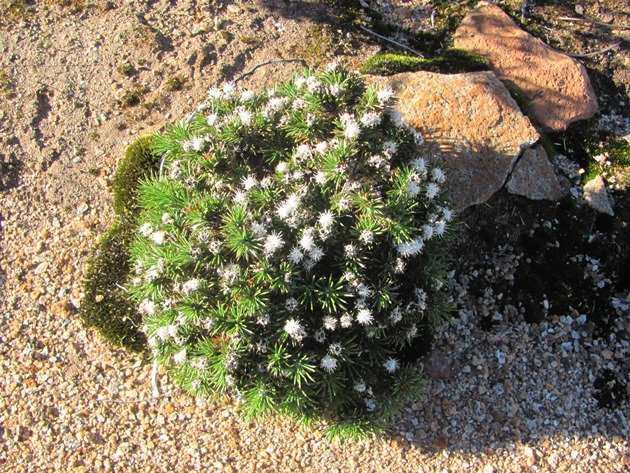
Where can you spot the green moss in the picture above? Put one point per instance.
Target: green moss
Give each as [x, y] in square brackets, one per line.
[175, 83]
[106, 306]
[452, 60]
[7, 86]
[618, 150]
[139, 162]
[125, 68]
[16, 10]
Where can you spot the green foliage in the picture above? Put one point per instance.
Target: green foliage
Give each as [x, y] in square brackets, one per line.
[291, 246]
[451, 61]
[106, 305]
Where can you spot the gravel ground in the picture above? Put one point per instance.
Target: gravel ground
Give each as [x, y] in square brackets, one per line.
[518, 397]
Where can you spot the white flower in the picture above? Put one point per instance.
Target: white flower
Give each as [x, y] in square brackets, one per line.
[370, 404]
[395, 316]
[398, 119]
[438, 175]
[167, 219]
[282, 167]
[439, 228]
[147, 306]
[417, 137]
[215, 93]
[330, 323]
[263, 319]
[316, 254]
[390, 147]
[427, 232]
[326, 219]
[294, 329]
[259, 229]
[249, 182]
[352, 131]
[146, 229]
[313, 84]
[180, 357]
[229, 89]
[363, 290]
[273, 242]
[384, 95]
[412, 332]
[332, 66]
[291, 304]
[346, 320]
[367, 237]
[419, 164]
[300, 82]
[162, 333]
[334, 90]
[320, 336]
[364, 316]
[335, 349]
[191, 286]
[247, 95]
[245, 116]
[321, 147]
[329, 363]
[195, 385]
[212, 119]
[350, 250]
[158, 237]
[288, 206]
[359, 385]
[302, 152]
[391, 365]
[447, 214]
[370, 119]
[432, 190]
[320, 178]
[400, 266]
[240, 197]
[298, 103]
[410, 248]
[214, 246]
[376, 160]
[307, 241]
[296, 255]
[413, 188]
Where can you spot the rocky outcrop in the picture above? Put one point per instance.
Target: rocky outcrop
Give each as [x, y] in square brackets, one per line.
[597, 197]
[556, 86]
[533, 176]
[472, 121]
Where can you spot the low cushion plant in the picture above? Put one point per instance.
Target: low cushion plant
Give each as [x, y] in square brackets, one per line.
[290, 248]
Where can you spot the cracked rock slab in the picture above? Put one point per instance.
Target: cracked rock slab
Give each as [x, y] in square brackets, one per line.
[556, 86]
[471, 121]
[533, 176]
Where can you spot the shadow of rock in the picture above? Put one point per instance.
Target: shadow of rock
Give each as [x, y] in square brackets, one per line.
[509, 372]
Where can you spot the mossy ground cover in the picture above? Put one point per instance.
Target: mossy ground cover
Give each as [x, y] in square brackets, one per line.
[451, 61]
[106, 305]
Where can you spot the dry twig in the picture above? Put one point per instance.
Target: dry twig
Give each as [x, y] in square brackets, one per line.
[400, 45]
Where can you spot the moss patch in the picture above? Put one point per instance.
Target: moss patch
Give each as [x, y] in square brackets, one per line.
[451, 61]
[139, 162]
[106, 306]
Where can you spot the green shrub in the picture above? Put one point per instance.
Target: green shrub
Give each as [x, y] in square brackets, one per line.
[451, 61]
[106, 305]
[291, 249]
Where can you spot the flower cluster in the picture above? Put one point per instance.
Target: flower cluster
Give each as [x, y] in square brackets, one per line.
[291, 248]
